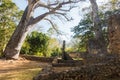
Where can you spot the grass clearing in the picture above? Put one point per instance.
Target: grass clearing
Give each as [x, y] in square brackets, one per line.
[20, 69]
[77, 58]
[24, 74]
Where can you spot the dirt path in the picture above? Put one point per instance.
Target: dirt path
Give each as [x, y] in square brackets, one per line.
[19, 69]
[24, 69]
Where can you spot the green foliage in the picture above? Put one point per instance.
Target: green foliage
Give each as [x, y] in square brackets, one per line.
[41, 45]
[84, 25]
[85, 30]
[56, 52]
[53, 45]
[114, 4]
[9, 17]
[36, 44]
[25, 47]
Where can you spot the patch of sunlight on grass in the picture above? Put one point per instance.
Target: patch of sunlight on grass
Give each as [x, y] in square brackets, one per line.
[77, 58]
[24, 74]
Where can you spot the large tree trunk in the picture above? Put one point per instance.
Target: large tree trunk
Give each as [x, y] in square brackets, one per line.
[27, 21]
[96, 20]
[15, 43]
[99, 45]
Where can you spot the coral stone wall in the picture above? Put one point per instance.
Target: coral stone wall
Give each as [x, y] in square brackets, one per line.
[114, 33]
[101, 71]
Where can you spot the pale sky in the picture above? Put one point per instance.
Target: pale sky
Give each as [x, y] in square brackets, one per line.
[66, 26]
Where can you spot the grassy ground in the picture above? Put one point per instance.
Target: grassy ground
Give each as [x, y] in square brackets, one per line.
[25, 74]
[77, 58]
[20, 69]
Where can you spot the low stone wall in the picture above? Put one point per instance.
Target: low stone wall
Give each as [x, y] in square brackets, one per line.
[101, 71]
[94, 58]
[68, 63]
[35, 58]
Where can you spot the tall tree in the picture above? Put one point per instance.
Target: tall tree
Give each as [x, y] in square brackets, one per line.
[96, 20]
[101, 44]
[85, 29]
[9, 16]
[28, 21]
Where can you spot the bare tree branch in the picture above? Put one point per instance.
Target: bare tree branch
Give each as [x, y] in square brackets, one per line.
[59, 17]
[53, 10]
[66, 10]
[64, 15]
[57, 31]
[30, 8]
[41, 4]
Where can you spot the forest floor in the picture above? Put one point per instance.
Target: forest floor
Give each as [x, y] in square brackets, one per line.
[23, 69]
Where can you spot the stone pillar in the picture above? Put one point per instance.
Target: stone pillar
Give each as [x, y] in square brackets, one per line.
[65, 56]
[114, 33]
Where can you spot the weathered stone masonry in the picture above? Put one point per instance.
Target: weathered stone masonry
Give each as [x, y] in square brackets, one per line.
[114, 33]
[101, 71]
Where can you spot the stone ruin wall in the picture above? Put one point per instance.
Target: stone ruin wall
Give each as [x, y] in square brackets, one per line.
[114, 34]
[101, 71]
